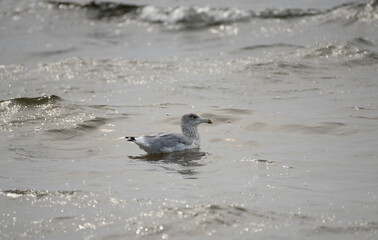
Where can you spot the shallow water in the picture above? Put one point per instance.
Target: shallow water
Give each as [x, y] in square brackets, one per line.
[292, 153]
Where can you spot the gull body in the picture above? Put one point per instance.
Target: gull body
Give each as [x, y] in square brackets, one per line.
[171, 142]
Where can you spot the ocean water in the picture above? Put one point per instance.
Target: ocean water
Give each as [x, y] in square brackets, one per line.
[291, 87]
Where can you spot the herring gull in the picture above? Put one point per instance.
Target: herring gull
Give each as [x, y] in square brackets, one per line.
[170, 142]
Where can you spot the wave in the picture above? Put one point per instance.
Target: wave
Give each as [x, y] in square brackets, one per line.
[34, 193]
[51, 115]
[268, 46]
[192, 16]
[207, 16]
[77, 129]
[97, 9]
[355, 52]
[350, 13]
[32, 101]
[28, 110]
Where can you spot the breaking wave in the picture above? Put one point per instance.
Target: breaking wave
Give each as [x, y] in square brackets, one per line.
[207, 16]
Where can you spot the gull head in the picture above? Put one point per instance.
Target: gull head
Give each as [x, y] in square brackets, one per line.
[192, 119]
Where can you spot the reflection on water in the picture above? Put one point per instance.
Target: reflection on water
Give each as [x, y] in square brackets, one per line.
[183, 162]
[183, 158]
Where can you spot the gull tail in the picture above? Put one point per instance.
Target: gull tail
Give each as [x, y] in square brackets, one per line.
[131, 139]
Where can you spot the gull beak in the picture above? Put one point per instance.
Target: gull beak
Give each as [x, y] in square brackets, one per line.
[206, 120]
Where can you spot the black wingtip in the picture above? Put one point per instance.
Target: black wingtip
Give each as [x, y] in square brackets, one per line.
[131, 139]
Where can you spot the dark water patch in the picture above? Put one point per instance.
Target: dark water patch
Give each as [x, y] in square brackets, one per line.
[328, 77]
[366, 117]
[288, 13]
[63, 218]
[17, 193]
[353, 228]
[263, 64]
[280, 69]
[281, 73]
[92, 123]
[293, 66]
[195, 87]
[46, 54]
[265, 163]
[33, 101]
[34, 193]
[363, 42]
[268, 46]
[97, 9]
[290, 91]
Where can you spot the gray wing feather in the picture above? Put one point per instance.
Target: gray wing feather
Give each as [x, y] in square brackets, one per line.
[159, 141]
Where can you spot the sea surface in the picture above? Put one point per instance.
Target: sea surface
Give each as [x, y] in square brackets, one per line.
[291, 87]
